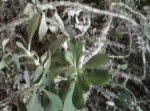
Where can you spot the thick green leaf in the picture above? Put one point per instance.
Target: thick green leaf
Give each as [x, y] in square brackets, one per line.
[43, 27]
[57, 43]
[77, 98]
[38, 72]
[83, 81]
[46, 66]
[16, 61]
[114, 34]
[20, 45]
[2, 64]
[69, 57]
[120, 104]
[119, 8]
[52, 108]
[98, 77]
[96, 61]
[64, 90]
[26, 77]
[32, 27]
[68, 105]
[48, 107]
[29, 10]
[125, 95]
[34, 103]
[58, 57]
[47, 63]
[57, 70]
[70, 71]
[124, 66]
[61, 69]
[45, 102]
[4, 43]
[124, 100]
[46, 82]
[76, 48]
[21, 106]
[56, 103]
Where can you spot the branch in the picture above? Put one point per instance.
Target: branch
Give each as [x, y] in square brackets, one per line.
[130, 9]
[14, 23]
[86, 8]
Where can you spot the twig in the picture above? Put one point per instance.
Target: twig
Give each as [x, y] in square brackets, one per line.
[130, 9]
[129, 76]
[67, 3]
[14, 23]
[99, 43]
[142, 44]
[86, 8]
[111, 43]
[130, 48]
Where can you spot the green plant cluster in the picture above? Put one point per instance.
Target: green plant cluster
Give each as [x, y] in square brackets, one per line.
[59, 80]
[40, 92]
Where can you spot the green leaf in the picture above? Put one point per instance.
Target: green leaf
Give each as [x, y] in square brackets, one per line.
[4, 43]
[20, 45]
[69, 57]
[68, 105]
[57, 43]
[119, 7]
[21, 106]
[48, 107]
[120, 104]
[45, 102]
[56, 103]
[96, 61]
[114, 34]
[16, 61]
[77, 98]
[83, 81]
[46, 66]
[2, 64]
[34, 103]
[124, 99]
[64, 90]
[98, 77]
[58, 57]
[43, 27]
[124, 66]
[47, 63]
[46, 82]
[32, 27]
[76, 48]
[68, 71]
[125, 95]
[38, 72]
[29, 10]
[26, 77]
